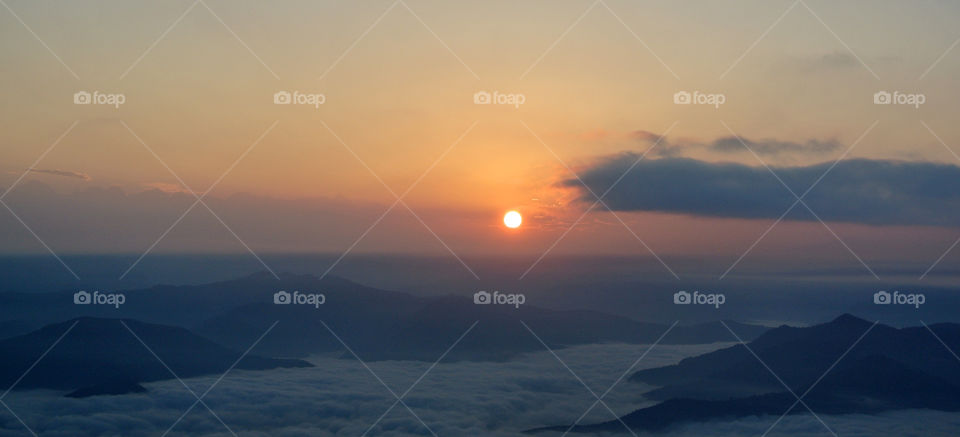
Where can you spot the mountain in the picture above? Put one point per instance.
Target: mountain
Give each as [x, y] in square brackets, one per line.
[377, 324]
[100, 356]
[179, 305]
[888, 369]
[397, 326]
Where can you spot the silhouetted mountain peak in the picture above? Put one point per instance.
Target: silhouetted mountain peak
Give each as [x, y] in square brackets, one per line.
[103, 356]
[849, 320]
[889, 369]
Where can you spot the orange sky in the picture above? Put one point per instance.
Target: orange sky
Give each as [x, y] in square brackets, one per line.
[399, 86]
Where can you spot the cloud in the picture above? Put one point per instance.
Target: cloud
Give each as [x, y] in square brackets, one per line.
[772, 147]
[64, 173]
[340, 398]
[731, 145]
[167, 187]
[827, 61]
[877, 192]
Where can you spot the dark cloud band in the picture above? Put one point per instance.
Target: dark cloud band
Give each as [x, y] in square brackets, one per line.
[878, 192]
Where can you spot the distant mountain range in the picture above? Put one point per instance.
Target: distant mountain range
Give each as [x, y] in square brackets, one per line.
[376, 324]
[101, 356]
[888, 369]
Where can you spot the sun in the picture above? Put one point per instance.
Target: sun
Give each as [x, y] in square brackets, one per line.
[512, 219]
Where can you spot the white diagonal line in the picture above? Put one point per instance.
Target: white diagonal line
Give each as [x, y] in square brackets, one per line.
[557, 241]
[562, 35]
[443, 243]
[584, 384]
[149, 349]
[603, 195]
[40, 40]
[45, 246]
[162, 36]
[422, 375]
[42, 356]
[807, 207]
[360, 238]
[760, 238]
[799, 399]
[623, 375]
[357, 41]
[444, 355]
[204, 394]
[935, 63]
[599, 199]
[439, 39]
[15, 415]
[629, 29]
[935, 263]
[17, 182]
[215, 16]
[30, 430]
[762, 36]
[357, 357]
[784, 384]
[194, 193]
[844, 243]
[802, 202]
[842, 42]
[399, 198]
[799, 199]
[37, 361]
[399, 399]
[35, 163]
[242, 242]
[244, 44]
[940, 140]
[200, 199]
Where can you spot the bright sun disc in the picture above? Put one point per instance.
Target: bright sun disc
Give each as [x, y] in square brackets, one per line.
[512, 219]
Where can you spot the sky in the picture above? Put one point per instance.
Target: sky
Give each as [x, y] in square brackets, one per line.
[398, 79]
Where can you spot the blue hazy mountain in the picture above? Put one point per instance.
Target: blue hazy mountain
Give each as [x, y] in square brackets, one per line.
[385, 325]
[377, 324]
[100, 356]
[889, 369]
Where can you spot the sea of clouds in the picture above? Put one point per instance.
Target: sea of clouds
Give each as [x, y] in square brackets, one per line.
[342, 398]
